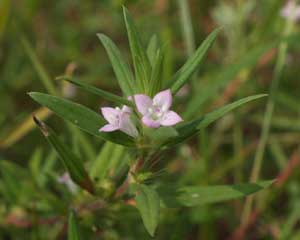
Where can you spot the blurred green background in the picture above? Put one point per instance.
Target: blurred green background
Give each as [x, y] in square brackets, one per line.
[40, 40]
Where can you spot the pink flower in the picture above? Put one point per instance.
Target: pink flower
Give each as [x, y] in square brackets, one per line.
[291, 11]
[156, 111]
[118, 119]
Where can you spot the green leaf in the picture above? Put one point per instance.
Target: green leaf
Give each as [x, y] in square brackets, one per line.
[147, 201]
[73, 228]
[161, 134]
[152, 49]
[156, 81]
[82, 117]
[186, 71]
[140, 59]
[194, 196]
[72, 163]
[99, 92]
[106, 159]
[214, 115]
[215, 82]
[121, 68]
[188, 129]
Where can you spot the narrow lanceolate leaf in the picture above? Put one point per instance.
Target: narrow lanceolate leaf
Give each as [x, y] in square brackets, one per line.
[120, 66]
[214, 115]
[147, 201]
[152, 49]
[99, 92]
[156, 81]
[140, 59]
[72, 163]
[82, 117]
[73, 228]
[188, 129]
[194, 196]
[186, 71]
[219, 80]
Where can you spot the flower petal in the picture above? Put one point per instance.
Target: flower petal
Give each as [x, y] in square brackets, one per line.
[127, 126]
[170, 118]
[143, 103]
[163, 99]
[150, 122]
[108, 128]
[110, 114]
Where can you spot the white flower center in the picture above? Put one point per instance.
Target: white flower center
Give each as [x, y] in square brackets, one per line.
[156, 112]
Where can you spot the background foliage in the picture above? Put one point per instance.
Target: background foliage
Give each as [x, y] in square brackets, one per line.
[40, 40]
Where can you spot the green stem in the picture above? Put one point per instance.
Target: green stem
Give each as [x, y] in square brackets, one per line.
[281, 57]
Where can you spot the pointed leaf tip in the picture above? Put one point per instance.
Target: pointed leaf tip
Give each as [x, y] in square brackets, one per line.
[140, 59]
[81, 116]
[122, 71]
[191, 196]
[186, 71]
[41, 125]
[72, 163]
